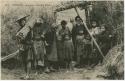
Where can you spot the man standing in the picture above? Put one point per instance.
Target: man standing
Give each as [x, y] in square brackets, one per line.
[25, 47]
[39, 42]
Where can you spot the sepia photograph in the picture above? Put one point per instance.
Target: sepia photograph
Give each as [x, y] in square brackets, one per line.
[62, 40]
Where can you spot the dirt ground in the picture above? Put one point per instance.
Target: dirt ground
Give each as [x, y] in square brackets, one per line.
[77, 74]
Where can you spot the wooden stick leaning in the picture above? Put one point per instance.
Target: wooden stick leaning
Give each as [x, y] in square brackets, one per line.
[96, 44]
[10, 56]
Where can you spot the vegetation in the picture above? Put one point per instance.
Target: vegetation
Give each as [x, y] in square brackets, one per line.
[109, 13]
[9, 27]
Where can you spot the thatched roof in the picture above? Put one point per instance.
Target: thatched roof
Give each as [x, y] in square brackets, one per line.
[70, 4]
[115, 59]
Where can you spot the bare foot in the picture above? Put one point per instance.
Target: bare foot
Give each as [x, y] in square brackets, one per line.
[36, 73]
[47, 70]
[26, 77]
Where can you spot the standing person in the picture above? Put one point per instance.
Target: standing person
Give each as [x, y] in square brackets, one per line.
[60, 48]
[67, 43]
[87, 50]
[78, 33]
[95, 31]
[39, 43]
[105, 39]
[51, 49]
[26, 48]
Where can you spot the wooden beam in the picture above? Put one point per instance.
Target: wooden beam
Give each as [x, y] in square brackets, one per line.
[10, 56]
[70, 5]
[96, 44]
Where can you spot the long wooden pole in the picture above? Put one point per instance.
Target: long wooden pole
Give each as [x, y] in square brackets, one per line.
[10, 56]
[91, 35]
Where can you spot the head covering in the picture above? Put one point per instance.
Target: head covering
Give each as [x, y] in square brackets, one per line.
[63, 22]
[21, 17]
[77, 18]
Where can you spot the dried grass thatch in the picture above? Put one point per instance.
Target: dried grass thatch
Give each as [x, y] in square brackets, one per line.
[115, 62]
[64, 5]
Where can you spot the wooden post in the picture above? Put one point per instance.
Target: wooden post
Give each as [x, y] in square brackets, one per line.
[91, 36]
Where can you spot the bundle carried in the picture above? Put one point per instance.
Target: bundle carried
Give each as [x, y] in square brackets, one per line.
[24, 31]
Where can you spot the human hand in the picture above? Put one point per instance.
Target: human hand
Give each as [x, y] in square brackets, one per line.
[110, 35]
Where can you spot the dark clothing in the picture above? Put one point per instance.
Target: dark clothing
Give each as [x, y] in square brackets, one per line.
[26, 47]
[78, 30]
[87, 47]
[39, 42]
[105, 41]
[68, 50]
[51, 49]
[27, 54]
[38, 30]
[26, 51]
[60, 50]
[78, 34]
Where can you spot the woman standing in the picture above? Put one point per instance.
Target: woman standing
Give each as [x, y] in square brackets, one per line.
[67, 44]
[78, 35]
[51, 49]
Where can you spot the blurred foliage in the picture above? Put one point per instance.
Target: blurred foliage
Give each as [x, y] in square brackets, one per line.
[110, 13]
[9, 27]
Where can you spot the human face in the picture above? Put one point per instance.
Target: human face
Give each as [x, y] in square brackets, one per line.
[94, 24]
[63, 25]
[39, 20]
[78, 21]
[103, 28]
[22, 22]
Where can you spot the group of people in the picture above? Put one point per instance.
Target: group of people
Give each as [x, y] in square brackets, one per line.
[62, 47]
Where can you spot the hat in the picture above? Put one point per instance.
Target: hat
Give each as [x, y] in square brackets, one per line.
[21, 17]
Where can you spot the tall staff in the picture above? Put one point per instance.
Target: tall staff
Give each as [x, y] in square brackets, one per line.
[91, 35]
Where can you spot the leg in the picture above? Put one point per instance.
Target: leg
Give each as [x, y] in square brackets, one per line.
[67, 66]
[28, 66]
[47, 64]
[78, 60]
[52, 68]
[25, 66]
[24, 60]
[36, 67]
[89, 51]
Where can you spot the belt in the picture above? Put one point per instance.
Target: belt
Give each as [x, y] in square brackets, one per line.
[37, 39]
[80, 34]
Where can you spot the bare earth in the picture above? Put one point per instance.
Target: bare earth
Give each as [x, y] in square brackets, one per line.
[77, 74]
